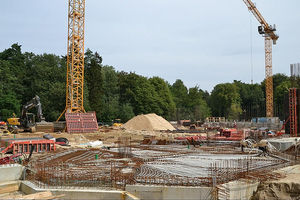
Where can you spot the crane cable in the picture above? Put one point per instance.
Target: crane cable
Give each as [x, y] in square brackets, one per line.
[251, 48]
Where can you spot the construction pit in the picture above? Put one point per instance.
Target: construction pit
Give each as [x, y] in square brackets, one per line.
[161, 165]
[115, 163]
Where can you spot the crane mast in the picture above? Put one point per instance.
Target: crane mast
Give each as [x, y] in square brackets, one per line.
[268, 32]
[75, 58]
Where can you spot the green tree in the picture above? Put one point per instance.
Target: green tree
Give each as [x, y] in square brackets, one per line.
[11, 88]
[13, 59]
[277, 80]
[147, 100]
[122, 95]
[139, 93]
[45, 77]
[9, 105]
[165, 100]
[225, 101]
[196, 105]
[280, 98]
[110, 99]
[94, 82]
[234, 111]
[180, 94]
[252, 100]
[126, 112]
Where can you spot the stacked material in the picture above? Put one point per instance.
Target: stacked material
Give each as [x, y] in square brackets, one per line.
[47, 127]
[149, 122]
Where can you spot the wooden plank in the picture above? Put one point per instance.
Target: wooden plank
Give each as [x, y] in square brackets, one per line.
[9, 188]
[57, 196]
[39, 195]
[42, 195]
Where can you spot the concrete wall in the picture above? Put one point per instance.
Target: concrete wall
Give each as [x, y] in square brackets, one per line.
[77, 193]
[153, 192]
[11, 172]
[238, 190]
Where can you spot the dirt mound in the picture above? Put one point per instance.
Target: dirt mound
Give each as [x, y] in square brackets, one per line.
[149, 122]
[286, 187]
[277, 191]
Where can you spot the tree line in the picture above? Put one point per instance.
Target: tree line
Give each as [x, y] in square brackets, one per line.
[122, 95]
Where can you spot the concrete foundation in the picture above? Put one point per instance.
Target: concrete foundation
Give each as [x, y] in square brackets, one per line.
[11, 172]
[10, 176]
[237, 190]
[79, 193]
[153, 192]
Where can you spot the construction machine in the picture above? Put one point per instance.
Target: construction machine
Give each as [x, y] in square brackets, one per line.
[27, 121]
[263, 145]
[269, 33]
[117, 123]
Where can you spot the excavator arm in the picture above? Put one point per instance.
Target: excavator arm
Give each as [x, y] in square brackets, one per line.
[33, 103]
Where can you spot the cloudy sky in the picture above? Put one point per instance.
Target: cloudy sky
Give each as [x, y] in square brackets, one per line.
[200, 42]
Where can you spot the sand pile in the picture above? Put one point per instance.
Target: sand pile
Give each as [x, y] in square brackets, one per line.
[285, 187]
[149, 122]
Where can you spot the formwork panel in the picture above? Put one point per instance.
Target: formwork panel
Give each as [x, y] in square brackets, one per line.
[24, 145]
[81, 122]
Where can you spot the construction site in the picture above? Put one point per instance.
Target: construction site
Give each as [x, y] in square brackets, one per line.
[149, 157]
[149, 160]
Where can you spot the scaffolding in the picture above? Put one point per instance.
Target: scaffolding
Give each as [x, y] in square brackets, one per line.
[293, 112]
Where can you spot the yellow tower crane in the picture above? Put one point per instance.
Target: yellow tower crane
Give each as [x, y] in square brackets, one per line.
[75, 58]
[269, 34]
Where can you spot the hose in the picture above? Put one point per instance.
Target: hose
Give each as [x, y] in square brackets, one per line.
[65, 140]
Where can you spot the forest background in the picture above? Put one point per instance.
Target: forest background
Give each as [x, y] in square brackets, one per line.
[121, 95]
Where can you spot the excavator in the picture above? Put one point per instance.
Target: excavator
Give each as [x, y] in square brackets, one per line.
[264, 147]
[27, 121]
[117, 123]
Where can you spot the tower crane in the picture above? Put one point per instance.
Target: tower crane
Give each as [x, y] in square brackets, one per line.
[75, 58]
[268, 32]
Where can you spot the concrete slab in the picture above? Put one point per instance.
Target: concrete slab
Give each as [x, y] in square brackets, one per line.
[195, 165]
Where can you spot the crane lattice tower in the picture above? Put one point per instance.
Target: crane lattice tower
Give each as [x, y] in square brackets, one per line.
[75, 57]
